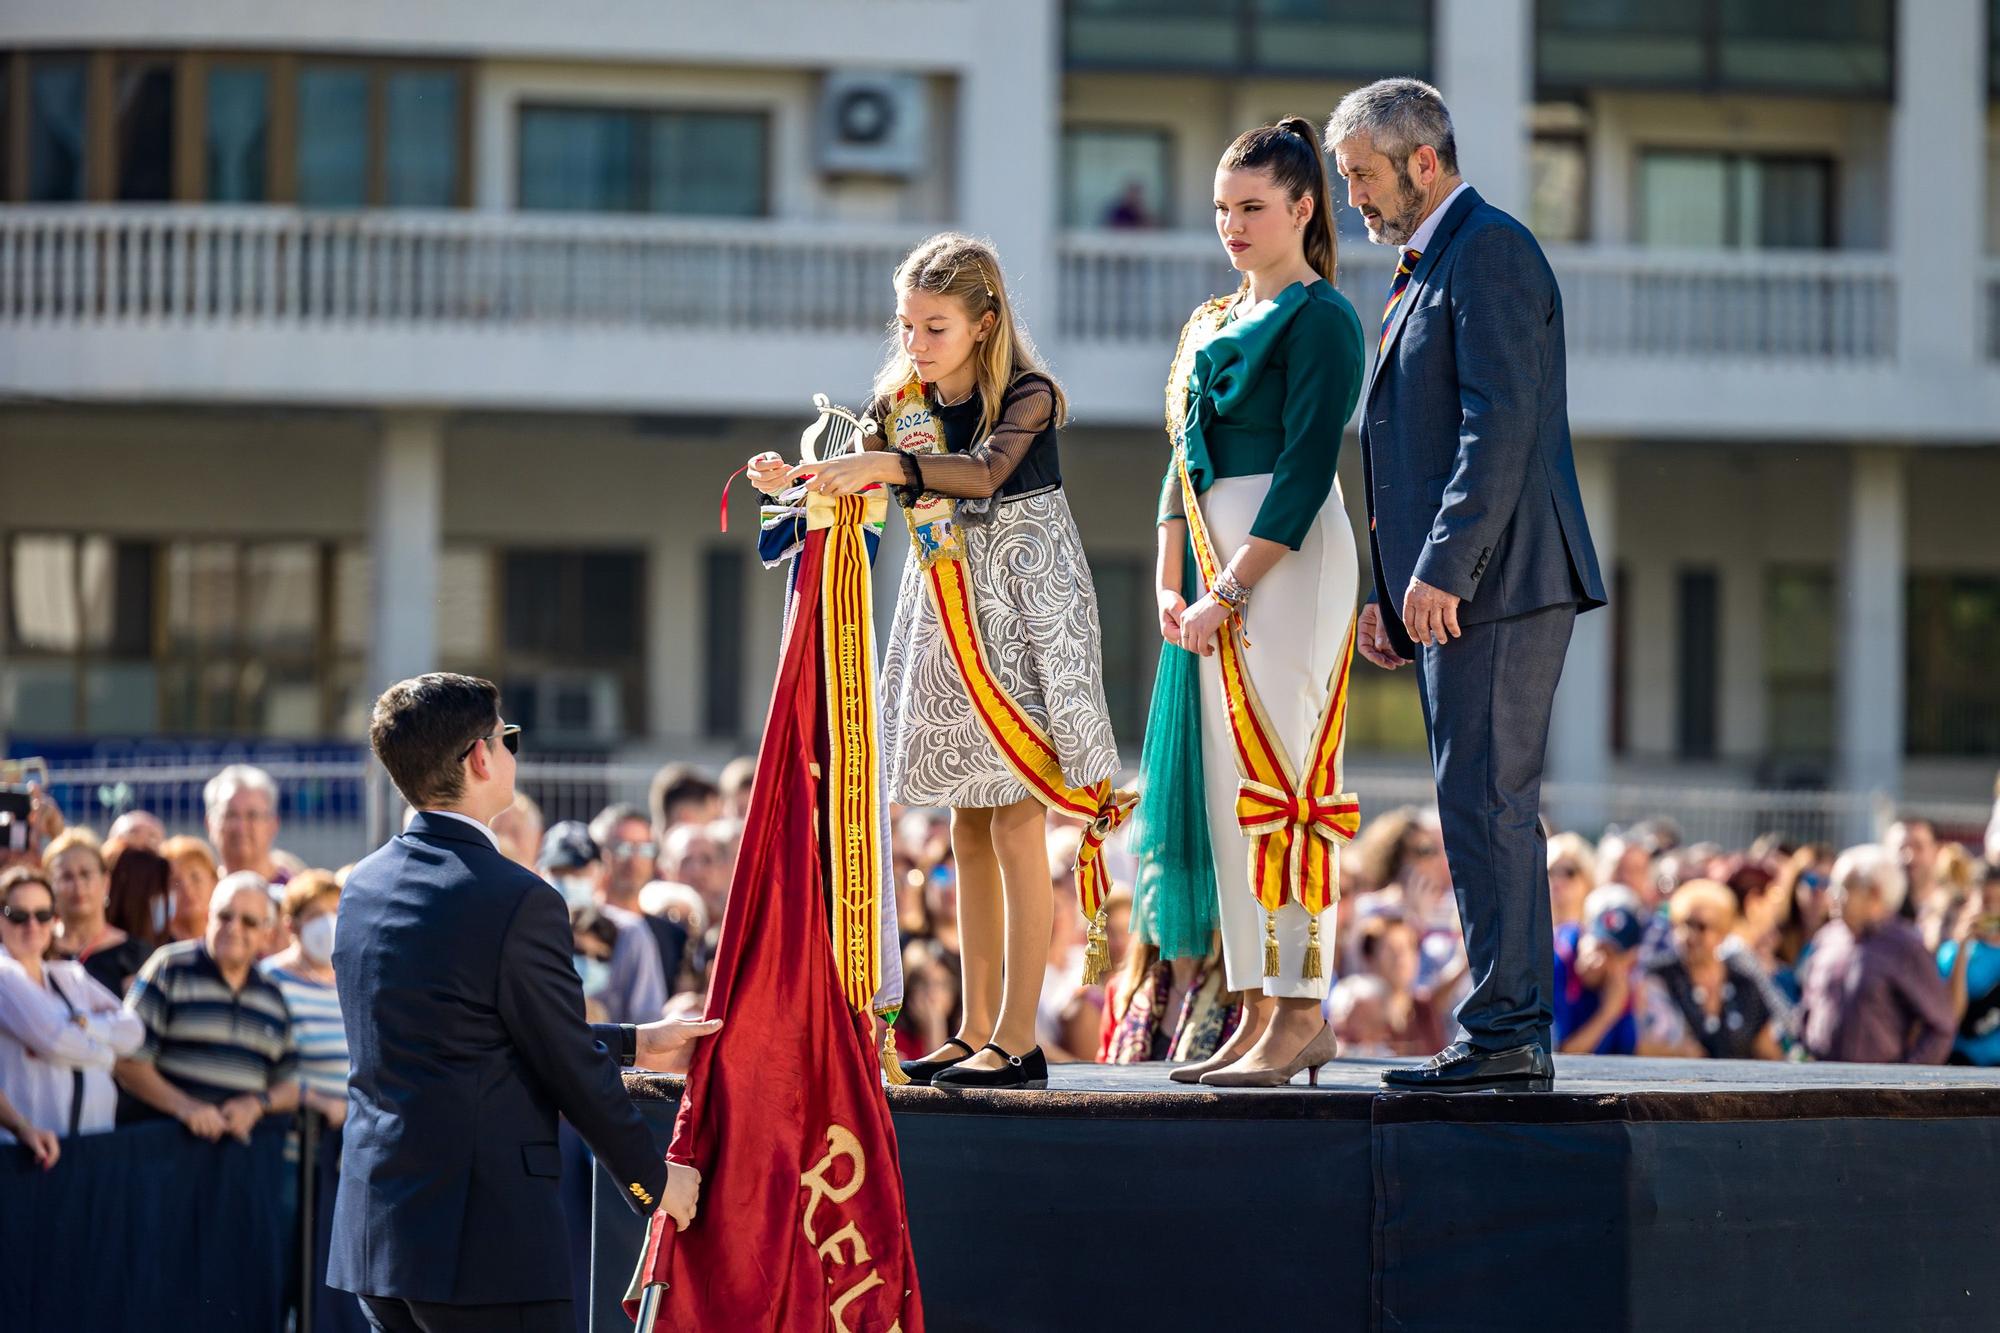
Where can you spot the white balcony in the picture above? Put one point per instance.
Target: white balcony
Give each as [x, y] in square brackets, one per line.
[276, 305]
[817, 33]
[541, 311]
[1778, 344]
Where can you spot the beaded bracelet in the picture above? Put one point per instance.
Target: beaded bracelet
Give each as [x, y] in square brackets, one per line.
[1230, 591]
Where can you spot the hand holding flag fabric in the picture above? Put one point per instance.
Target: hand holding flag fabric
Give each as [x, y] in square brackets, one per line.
[661, 1041]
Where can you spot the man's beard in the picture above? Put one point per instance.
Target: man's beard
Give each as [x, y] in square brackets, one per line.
[1399, 227]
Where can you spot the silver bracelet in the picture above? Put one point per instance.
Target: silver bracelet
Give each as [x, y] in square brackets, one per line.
[1230, 591]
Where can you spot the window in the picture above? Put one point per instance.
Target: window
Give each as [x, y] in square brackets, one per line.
[420, 163]
[1559, 185]
[1700, 655]
[372, 135]
[1320, 38]
[1800, 622]
[236, 136]
[1384, 714]
[1818, 46]
[1125, 615]
[619, 160]
[199, 127]
[1116, 178]
[723, 579]
[55, 129]
[143, 130]
[333, 136]
[1715, 200]
[1993, 48]
[1951, 693]
[572, 661]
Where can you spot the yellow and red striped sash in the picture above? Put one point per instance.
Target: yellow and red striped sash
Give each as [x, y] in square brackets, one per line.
[853, 784]
[1294, 821]
[939, 549]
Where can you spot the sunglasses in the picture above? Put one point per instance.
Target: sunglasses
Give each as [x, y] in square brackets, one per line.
[21, 916]
[246, 921]
[625, 851]
[509, 736]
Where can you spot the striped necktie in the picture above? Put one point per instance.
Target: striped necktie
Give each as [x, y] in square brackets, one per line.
[1406, 266]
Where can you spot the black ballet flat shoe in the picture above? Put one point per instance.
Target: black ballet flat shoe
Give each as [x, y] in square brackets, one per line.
[921, 1072]
[1020, 1071]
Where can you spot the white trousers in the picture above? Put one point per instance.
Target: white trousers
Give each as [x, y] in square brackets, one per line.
[1297, 624]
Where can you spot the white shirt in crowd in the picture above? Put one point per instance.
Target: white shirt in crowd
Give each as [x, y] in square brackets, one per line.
[44, 1045]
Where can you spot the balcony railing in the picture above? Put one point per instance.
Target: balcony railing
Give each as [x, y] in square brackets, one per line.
[1134, 287]
[69, 266]
[1140, 287]
[1784, 305]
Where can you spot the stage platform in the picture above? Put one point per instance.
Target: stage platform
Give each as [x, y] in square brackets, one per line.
[1640, 1194]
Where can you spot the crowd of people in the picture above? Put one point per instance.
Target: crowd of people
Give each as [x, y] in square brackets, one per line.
[144, 975]
[120, 952]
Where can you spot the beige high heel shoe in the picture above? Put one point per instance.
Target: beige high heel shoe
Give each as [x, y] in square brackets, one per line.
[1318, 1051]
[1193, 1070]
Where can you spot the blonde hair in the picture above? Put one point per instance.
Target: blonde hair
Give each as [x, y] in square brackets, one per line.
[308, 890]
[68, 841]
[968, 270]
[1703, 893]
[188, 851]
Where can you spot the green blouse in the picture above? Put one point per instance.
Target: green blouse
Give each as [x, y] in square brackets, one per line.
[1272, 391]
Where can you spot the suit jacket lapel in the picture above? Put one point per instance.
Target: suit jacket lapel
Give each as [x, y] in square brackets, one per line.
[1441, 238]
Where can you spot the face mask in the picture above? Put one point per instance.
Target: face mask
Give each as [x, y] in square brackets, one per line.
[577, 890]
[594, 973]
[161, 915]
[316, 939]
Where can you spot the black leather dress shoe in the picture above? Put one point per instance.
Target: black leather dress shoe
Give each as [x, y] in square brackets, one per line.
[1459, 1068]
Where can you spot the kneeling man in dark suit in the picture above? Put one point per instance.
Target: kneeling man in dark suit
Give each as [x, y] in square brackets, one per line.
[465, 1026]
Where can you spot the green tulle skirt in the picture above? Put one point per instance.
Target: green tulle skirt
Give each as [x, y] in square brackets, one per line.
[1174, 901]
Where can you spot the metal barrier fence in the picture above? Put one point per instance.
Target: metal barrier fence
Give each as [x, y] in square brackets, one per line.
[333, 811]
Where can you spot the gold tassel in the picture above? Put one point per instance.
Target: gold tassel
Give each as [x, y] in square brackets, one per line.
[1270, 944]
[1097, 957]
[1313, 970]
[892, 1068]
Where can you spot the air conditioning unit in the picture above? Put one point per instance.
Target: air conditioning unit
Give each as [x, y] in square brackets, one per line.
[872, 123]
[571, 707]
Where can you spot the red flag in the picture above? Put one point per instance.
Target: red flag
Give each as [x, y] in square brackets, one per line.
[802, 1223]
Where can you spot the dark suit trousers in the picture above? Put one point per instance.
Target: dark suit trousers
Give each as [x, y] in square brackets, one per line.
[389, 1314]
[1487, 698]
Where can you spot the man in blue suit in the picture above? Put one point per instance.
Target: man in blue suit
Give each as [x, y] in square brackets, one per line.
[1481, 552]
[465, 1027]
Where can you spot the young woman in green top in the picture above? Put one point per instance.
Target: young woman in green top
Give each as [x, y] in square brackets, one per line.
[1261, 391]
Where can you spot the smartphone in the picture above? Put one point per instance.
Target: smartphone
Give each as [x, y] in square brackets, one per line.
[16, 830]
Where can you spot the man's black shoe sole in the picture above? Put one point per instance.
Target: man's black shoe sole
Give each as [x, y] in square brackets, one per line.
[1523, 1083]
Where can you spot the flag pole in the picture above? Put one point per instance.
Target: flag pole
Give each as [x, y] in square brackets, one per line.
[650, 1297]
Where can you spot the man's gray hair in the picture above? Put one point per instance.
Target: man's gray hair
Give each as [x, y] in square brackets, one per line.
[215, 797]
[1399, 116]
[241, 881]
[1874, 866]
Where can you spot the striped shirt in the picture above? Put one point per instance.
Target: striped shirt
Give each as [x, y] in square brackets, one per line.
[211, 1042]
[317, 1031]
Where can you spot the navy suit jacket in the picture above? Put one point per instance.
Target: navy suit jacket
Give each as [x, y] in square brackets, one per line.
[465, 1027]
[1465, 432]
